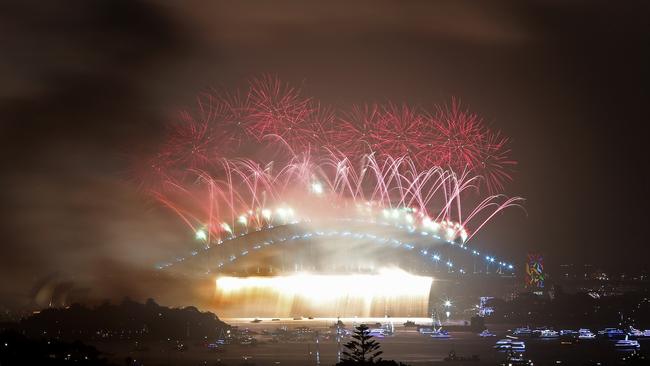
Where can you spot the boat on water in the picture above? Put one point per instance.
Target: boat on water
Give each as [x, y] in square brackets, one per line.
[439, 333]
[636, 333]
[568, 332]
[518, 346]
[436, 328]
[486, 333]
[522, 331]
[627, 344]
[508, 344]
[378, 332]
[611, 333]
[410, 324]
[246, 341]
[548, 334]
[256, 320]
[585, 334]
[516, 359]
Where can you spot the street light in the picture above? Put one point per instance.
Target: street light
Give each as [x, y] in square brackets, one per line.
[488, 260]
[201, 235]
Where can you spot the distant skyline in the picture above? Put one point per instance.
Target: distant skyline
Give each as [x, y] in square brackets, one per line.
[86, 85]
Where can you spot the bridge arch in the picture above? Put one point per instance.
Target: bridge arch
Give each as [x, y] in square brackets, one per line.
[374, 239]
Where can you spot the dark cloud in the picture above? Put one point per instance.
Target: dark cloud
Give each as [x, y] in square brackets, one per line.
[74, 103]
[85, 84]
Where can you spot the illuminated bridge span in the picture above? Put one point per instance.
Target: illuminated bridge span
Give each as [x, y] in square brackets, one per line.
[344, 245]
[333, 267]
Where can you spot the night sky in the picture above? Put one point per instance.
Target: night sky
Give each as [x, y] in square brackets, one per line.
[85, 86]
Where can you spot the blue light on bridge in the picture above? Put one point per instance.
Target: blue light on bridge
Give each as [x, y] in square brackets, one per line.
[424, 251]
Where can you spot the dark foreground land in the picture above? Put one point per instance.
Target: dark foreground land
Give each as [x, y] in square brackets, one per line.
[149, 334]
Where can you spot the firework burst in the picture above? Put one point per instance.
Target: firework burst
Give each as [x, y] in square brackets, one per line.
[430, 167]
[277, 109]
[400, 131]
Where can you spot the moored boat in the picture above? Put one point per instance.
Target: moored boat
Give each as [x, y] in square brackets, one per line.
[510, 344]
[612, 333]
[548, 334]
[522, 331]
[585, 334]
[627, 344]
[486, 333]
[436, 328]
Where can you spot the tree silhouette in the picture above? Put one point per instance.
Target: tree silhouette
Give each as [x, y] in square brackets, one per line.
[363, 349]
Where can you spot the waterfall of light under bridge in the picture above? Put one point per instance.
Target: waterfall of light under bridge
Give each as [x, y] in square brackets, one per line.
[392, 292]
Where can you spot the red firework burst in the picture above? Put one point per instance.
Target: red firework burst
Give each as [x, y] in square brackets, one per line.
[193, 143]
[277, 109]
[495, 166]
[457, 138]
[232, 114]
[354, 133]
[274, 111]
[400, 131]
[316, 132]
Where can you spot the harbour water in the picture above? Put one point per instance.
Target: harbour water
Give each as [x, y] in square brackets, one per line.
[405, 345]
